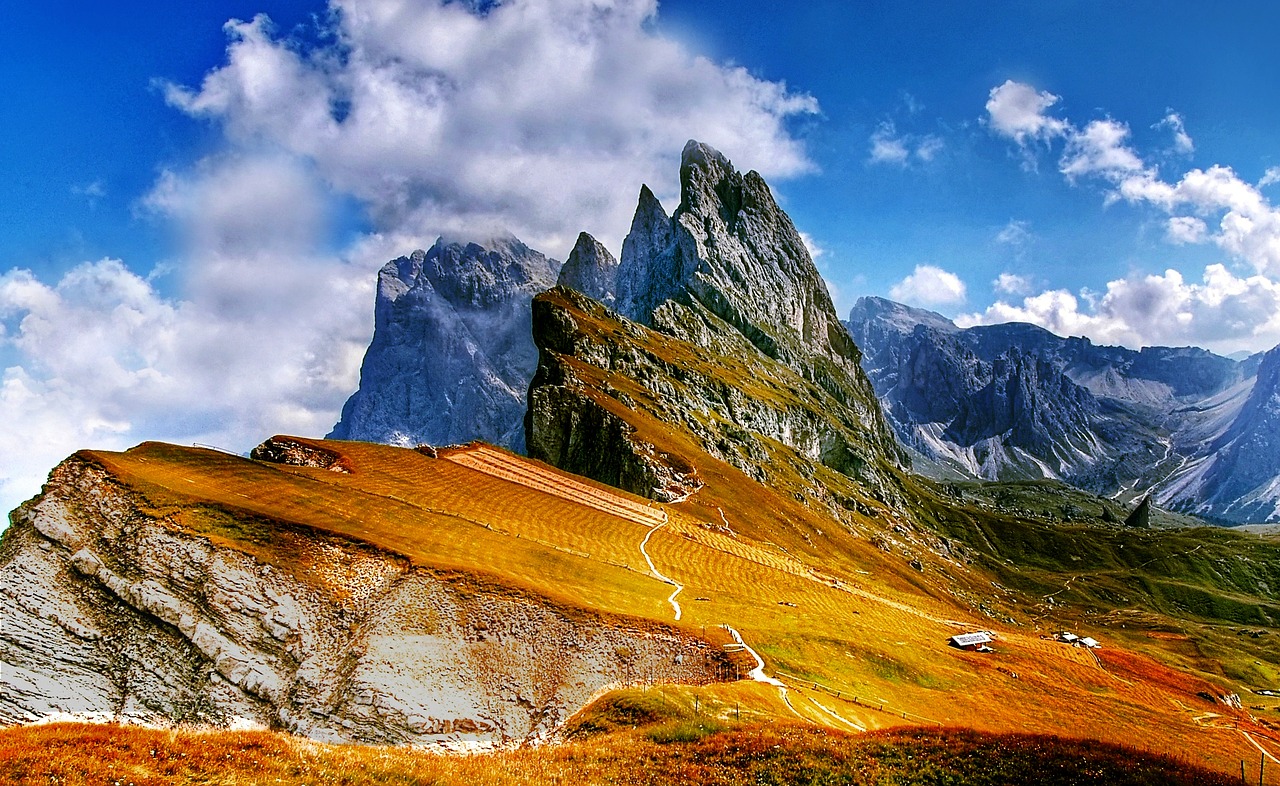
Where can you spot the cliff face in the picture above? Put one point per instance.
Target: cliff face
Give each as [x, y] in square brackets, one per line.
[113, 612]
[724, 283]
[451, 356]
[1237, 475]
[729, 265]
[591, 270]
[634, 407]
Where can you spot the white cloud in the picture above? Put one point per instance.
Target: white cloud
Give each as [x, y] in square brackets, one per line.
[1222, 312]
[1100, 149]
[1017, 110]
[1186, 229]
[816, 251]
[1248, 225]
[1271, 176]
[1012, 284]
[1182, 142]
[539, 116]
[92, 192]
[266, 337]
[888, 146]
[929, 285]
[929, 147]
[1015, 233]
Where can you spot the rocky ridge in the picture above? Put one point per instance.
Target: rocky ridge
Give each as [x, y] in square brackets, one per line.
[115, 613]
[1236, 476]
[452, 355]
[591, 270]
[728, 275]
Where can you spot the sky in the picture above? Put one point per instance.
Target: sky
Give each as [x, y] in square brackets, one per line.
[197, 196]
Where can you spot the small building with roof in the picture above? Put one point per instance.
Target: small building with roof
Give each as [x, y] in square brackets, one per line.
[978, 641]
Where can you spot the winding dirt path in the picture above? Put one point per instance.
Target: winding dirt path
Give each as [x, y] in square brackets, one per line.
[1255, 744]
[653, 569]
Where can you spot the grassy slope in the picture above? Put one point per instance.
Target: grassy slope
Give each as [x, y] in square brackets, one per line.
[840, 617]
[675, 751]
[825, 590]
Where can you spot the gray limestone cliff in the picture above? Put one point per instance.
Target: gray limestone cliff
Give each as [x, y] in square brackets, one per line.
[1236, 476]
[591, 270]
[452, 353]
[113, 612]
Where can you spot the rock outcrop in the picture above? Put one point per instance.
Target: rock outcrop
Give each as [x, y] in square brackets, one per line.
[115, 612]
[452, 355]
[591, 270]
[727, 275]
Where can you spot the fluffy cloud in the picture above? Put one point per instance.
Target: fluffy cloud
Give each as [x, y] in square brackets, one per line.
[1222, 312]
[1186, 229]
[1182, 142]
[930, 286]
[1247, 224]
[1012, 284]
[266, 336]
[1017, 110]
[541, 117]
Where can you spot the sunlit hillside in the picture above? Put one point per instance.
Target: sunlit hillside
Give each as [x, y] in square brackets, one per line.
[856, 636]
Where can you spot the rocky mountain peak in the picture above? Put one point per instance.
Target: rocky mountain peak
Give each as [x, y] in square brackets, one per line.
[730, 249]
[591, 270]
[728, 269]
[452, 351]
[901, 318]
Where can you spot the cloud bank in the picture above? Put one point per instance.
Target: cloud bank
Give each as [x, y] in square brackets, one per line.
[1234, 305]
[541, 117]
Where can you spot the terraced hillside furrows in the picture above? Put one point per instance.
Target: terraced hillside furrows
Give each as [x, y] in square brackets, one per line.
[134, 596]
[516, 469]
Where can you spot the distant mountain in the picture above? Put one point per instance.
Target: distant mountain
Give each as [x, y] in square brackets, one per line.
[1236, 476]
[1016, 401]
[452, 351]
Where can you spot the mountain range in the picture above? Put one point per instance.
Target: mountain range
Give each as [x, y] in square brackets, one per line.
[1015, 401]
[453, 357]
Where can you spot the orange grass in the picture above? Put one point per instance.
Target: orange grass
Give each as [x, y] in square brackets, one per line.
[656, 755]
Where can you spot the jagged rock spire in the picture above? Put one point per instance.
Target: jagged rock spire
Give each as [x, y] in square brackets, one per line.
[591, 270]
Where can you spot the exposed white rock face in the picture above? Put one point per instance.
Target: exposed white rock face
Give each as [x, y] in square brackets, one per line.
[452, 352]
[1236, 475]
[111, 614]
[591, 270]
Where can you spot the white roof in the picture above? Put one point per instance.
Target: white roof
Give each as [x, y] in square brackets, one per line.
[1089, 641]
[1067, 636]
[970, 639]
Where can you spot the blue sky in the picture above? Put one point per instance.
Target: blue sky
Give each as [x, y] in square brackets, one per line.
[194, 215]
